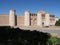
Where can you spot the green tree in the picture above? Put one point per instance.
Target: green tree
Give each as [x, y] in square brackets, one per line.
[57, 23]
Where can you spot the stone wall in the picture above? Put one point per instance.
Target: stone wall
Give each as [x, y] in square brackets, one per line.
[40, 19]
[20, 20]
[4, 20]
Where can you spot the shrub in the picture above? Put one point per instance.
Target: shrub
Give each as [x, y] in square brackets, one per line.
[54, 41]
[12, 36]
[16, 36]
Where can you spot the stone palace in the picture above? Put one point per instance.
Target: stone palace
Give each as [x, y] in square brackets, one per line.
[41, 18]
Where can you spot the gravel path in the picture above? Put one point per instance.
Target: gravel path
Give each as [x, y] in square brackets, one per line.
[53, 31]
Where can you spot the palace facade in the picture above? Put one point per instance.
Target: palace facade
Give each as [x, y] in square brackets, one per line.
[41, 18]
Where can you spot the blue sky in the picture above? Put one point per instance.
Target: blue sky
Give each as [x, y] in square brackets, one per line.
[50, 6]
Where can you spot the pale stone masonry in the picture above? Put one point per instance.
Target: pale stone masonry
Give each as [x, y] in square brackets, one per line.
[12, 18]
[27, 18]
[41, 19]
[47, 19]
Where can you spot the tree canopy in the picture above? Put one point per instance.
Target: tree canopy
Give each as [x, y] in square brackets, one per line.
[57, 23]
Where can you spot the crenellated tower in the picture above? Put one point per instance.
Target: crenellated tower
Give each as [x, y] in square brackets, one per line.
[39, 19]
[27, 18]
[12, 14]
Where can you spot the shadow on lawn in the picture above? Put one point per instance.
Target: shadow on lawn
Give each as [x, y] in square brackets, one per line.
[16, 36]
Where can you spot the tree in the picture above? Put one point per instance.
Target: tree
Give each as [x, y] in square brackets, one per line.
[57, 23]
